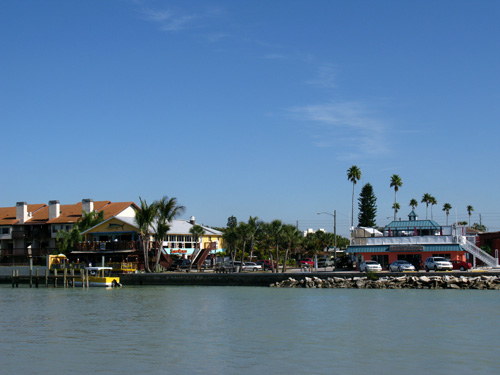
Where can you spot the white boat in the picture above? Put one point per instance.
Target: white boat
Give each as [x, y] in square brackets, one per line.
[100, 276]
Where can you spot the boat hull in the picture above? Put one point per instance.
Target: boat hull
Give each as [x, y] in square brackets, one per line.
[100, 281]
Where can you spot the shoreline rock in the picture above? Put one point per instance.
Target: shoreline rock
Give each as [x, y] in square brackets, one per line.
[402, 282]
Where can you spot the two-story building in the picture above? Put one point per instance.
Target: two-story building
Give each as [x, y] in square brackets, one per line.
[415, 240]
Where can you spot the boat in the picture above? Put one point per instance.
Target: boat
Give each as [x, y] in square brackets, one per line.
[100, 276]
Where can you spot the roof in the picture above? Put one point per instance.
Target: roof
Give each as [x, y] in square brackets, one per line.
[412, 224]
[69, 213]
[434, 248]
[181, 227]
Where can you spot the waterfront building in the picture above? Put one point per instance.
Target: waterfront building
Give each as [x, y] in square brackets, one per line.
[30, 230]
[120, 235]
[415, 240]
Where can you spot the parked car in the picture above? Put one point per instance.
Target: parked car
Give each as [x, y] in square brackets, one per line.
[401, 266]
[461, 265]
[306, 261]
[370, 265]
[179, 264]
[323, 263]
[437, 264]
[251, 266]
[266, 264]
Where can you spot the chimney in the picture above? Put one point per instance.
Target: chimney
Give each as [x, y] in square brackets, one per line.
[87, 205]
[192, 220]
[54, 209]
[22, 212]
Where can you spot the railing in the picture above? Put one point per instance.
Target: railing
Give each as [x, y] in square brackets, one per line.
[479, 253]
[109, 245]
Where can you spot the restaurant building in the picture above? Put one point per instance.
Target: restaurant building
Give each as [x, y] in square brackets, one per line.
[415, 240]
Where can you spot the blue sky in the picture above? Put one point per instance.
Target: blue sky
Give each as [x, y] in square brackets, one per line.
[253, 107]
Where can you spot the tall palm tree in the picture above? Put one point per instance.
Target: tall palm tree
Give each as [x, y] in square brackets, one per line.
[253, 226]
[432, 202]
[243, 232]
[276, 232]
[353, 175]
[396, 208]
[469, 211]
[197, 232]
[413, 203]
[447, 207]
[291, 238]
[167, 210]
[396, 183]
[426, 199]
[144, 217]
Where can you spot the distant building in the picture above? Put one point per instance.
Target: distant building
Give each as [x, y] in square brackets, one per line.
[415, 240]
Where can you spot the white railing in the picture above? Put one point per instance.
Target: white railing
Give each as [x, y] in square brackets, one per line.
[479, 253]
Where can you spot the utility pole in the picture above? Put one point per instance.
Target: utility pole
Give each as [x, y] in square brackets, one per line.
[335, 235]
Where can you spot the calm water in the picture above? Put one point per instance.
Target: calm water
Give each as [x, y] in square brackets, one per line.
[238, 330]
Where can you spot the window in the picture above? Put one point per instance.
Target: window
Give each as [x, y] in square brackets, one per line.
[5, 231]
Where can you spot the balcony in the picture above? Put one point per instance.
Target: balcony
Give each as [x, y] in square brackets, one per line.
[107, 247]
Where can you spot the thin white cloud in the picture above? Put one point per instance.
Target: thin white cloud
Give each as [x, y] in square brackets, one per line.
[346, 126]
[326, 77]
[169, 20]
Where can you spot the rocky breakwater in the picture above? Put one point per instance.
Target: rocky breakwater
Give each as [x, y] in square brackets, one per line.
[402, 282]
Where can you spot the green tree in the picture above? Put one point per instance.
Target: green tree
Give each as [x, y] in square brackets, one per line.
[426, 198]
[253, 226]
[144, 218]
[395, 207]
[276, 231]
[432, 202]
[396, 183]
[413, 203]
[367, 205]
[479, 227]
[470, 209]
[197, 232]
[353, 175]
[230, 237]
[67, 239]
[167, 210]
[291, 238]
[446, 208]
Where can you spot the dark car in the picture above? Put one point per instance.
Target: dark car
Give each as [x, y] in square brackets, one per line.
[461, 265]
[179, 264]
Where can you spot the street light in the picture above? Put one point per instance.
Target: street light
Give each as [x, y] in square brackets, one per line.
[334, 215]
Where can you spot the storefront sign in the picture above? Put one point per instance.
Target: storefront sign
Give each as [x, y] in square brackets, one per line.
[178, 251]
[406, 248]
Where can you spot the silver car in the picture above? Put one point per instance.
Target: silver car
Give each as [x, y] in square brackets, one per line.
[251, 266]
[370, 265]
[401, 266]
[437, 264]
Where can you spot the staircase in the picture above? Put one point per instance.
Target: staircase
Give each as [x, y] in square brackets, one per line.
[479, 253]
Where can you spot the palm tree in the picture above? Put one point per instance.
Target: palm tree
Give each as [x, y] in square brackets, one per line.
[292, 238]
[413, 203]
[197, 232]
[144, 218]
[469, 211]
[426, 199]
[243, 233]
[432, 202]
[447, 207]
[276, 232]
[167, 210]
[396, 208]
[353, 175]
[396, 183]
[253, 226]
